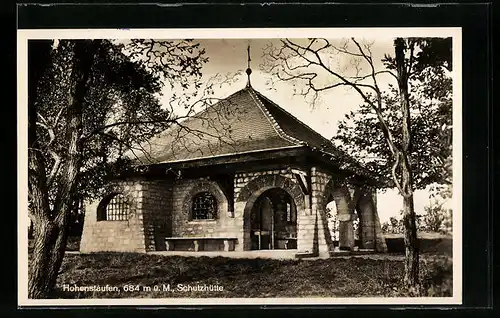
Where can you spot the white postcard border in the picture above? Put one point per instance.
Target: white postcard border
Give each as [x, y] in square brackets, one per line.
[23, 35]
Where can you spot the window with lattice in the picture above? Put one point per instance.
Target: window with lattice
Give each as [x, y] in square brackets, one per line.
[204, 206]
[117, 208]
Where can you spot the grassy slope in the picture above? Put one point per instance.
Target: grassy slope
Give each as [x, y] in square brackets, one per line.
[335, 277]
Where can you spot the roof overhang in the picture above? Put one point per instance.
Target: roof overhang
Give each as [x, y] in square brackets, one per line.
[245, 160]
[227, 161]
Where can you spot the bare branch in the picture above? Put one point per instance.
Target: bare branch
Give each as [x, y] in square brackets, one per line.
[369, 59]
[376, 73]
[312, 57]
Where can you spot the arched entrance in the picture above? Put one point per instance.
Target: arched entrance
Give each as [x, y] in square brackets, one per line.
[254, 190]
[344, 228]
[273, 221]
[339, 209]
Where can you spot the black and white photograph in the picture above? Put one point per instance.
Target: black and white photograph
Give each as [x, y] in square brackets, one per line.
[239, 166]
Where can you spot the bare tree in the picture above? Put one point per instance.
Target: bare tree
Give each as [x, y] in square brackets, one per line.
[310, 62]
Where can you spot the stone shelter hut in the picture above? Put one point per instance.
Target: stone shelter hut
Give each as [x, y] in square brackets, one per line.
[242, 175]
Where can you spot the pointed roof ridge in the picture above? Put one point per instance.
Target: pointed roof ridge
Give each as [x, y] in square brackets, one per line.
[291, 115]
[270, 117]
[207, 108]
[255, 124]
[248, 128]
[325, 143]
[315, 140]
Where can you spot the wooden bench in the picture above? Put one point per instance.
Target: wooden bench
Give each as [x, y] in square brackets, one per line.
[198, 242]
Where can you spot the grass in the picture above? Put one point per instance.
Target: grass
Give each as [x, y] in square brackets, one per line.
[334, 277]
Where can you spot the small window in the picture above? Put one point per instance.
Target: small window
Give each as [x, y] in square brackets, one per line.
[117, 208]
[204, 206]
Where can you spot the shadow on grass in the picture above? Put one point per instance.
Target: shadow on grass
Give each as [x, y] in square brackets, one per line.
[438, 246]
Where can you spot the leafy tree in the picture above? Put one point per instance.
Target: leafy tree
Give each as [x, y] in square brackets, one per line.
[359, 132]
[89, 101]
[385, 227]
[394, 224]
[437, 218]
[434, 217]
[310, 63]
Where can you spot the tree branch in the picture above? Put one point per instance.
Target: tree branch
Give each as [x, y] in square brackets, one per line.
[302, 51]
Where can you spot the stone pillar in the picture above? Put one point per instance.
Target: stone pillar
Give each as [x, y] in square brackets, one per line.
[371, 231]
[313, 234]
[344, 215]
[305, 227]
[244, 241]
[306, 221]
[366, 223]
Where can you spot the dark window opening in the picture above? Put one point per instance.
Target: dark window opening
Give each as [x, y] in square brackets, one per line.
[204, 206]
[117, 209]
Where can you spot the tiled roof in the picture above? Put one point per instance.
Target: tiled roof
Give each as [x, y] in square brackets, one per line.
[233, 125]
[293, 127]
[243, 122]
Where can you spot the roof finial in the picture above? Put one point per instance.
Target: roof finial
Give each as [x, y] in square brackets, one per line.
[249, 70]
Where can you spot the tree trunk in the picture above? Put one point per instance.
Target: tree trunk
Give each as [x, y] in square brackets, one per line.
[47, 256]
[51, 226]
[411, 278]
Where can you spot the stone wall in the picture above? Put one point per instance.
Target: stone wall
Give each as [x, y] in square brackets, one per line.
[115, 235]
[160, 209]
[348, 198]
[224, 225]
[156, 211]
[147, 222]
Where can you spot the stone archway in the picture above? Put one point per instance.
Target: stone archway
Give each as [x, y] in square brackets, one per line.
[250, 193]
[273, 221]
[345, 203]
[355, 202]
